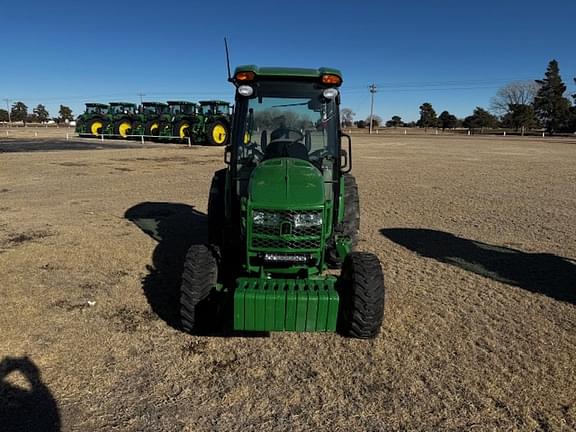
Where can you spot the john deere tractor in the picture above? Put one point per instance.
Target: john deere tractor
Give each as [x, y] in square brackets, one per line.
[92, 121]
[213, 123]
[183, 117]
[151, 118]
[281, 214]
[121, 116]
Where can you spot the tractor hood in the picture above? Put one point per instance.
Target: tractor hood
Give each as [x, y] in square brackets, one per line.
[286, 183]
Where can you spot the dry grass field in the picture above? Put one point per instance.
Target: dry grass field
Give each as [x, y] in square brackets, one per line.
[477, 237]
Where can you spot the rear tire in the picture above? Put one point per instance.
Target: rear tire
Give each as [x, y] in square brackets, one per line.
[198, 282]
[217, 133]
[351, 224]
[123, 128]
[152, 128]
[95, 126]
[183, 129]
[361, 289]
[216, 207]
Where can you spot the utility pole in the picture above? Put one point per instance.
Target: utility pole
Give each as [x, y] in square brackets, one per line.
[372, 88]
[141, 94]
[8, 109]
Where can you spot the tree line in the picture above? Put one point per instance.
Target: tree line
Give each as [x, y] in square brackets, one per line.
[19, 113]
[520, 105]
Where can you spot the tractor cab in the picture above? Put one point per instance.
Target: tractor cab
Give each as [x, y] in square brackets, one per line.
[119, 108]
[182, 107]
[154, 108]
[96, 108]
[215, 107]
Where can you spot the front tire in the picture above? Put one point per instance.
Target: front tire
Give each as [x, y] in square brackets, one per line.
[123, 128]
[361, 289]
[198, 282]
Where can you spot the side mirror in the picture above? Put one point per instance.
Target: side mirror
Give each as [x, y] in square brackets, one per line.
[228, 154]
[346, 156]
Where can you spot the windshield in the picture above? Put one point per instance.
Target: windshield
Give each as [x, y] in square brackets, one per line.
[289, 120]
[117, 109]
[181, 109]
[95, 110]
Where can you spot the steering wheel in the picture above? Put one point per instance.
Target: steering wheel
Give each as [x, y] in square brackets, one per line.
[320, 154]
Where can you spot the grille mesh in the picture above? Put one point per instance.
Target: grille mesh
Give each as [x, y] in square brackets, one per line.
[269, 236]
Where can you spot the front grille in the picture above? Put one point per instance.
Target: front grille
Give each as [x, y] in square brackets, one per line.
[273, 236]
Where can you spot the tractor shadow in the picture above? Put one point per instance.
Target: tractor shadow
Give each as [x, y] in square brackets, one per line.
[176, 227]
[26, 408]
[544, 273]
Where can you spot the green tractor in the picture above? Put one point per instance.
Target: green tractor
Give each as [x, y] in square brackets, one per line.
[213, 122]
[151, 118]
[284, 212]
[182, 119]
[121, 116]
[92, 121]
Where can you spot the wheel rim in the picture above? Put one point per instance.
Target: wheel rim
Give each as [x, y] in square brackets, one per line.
[154, 129]
[219, 134]
[124, 129]
[183, 131]
[96, 127]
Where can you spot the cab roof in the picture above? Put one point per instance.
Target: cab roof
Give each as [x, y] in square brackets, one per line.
[211, 102]
[96, 105]
[123, 104]
[181, 103]
[162, 104]
[288, 72]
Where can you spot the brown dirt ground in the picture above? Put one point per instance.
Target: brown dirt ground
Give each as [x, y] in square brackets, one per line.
[477, 237]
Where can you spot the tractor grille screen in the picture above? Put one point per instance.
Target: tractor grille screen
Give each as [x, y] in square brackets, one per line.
[288, 230]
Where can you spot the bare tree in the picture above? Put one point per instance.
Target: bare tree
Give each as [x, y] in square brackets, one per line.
[347, 117]
[515, 93]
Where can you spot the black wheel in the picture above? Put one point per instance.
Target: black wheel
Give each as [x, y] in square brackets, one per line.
[351, 224]
[123, 127]
[183, 130]
[152, 127]
[216, 207]
[198, 282]
[361, 289]
[95, 126]
[217, 133]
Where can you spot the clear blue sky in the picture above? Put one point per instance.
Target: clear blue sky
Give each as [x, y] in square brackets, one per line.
[453, 54]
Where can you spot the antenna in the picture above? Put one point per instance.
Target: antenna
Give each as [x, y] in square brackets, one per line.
[227, 60]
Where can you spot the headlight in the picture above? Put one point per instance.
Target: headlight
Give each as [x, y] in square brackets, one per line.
[265, 218]
[307, 220]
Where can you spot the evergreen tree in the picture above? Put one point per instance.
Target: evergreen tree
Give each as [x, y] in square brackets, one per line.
[447, 120]
[3, 115]
[520, 117]
[480, 119]
[19, 112]
[65, 113]
[395, 121]
[427, 116]
[550, 105]
[41, 113]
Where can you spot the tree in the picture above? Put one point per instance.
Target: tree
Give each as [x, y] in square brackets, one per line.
[361, 124]
[347, 117]
[41, 113]
[520, 117]
[376, 120]
[480, 119]
[447, 120]
[515, 93]
[395, 121]
[427, 116]
[19, 112]
[3, 115]
[65, 114]
[550, 105]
